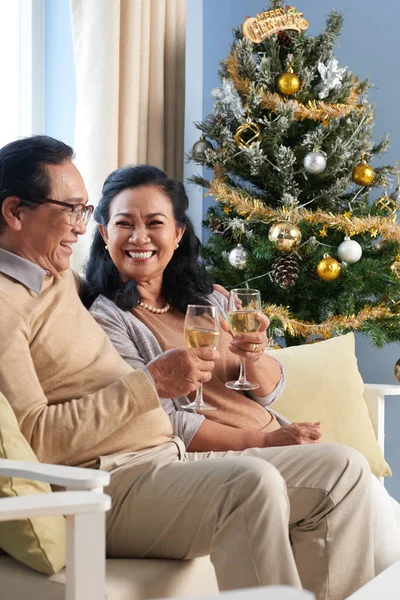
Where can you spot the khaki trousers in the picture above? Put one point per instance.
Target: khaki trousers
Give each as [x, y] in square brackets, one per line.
[293, 515]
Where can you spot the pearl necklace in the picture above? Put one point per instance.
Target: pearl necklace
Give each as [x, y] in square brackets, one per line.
[153, 309]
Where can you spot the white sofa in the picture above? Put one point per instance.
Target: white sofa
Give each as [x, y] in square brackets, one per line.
[134, 579]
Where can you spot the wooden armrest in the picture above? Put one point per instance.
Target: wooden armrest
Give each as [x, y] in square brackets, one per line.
[383, 389]
[74, 478]
[62, 503]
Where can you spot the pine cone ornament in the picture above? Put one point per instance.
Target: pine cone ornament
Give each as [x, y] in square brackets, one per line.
[216, 225]
[286, 270]
[284, 39]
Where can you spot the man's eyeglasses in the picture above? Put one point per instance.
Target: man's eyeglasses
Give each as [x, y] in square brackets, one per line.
[78, 212]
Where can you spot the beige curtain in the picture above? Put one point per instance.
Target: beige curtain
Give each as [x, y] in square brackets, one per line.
[130, 76]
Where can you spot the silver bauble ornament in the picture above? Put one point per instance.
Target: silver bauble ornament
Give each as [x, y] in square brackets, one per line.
[315, 162]
[200, 147]
[238, 257]
[349, 251]
[395, 196]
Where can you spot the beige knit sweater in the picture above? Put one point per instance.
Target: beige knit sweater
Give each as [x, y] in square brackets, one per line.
[74, 397]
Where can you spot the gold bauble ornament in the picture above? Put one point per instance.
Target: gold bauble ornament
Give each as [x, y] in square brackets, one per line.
[395, 266]
[397, 370]
[284, 236]
[328, 268]
[288, 83]
[363, 174]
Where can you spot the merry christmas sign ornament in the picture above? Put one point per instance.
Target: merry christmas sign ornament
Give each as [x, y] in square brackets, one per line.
[258, 28]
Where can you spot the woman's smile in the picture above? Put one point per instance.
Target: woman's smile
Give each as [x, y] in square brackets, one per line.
[140, 255]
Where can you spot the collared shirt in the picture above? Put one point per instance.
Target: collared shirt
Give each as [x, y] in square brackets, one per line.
[22, 270]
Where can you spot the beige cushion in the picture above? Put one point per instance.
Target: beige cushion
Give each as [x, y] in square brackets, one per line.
[127, 579]
[38, 542]
[324, 384]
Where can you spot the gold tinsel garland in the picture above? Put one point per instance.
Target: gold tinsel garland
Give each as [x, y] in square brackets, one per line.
[325, 329]
[256, 209]
[314, 109]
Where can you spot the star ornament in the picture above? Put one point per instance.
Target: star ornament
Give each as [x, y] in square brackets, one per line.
[323, 232]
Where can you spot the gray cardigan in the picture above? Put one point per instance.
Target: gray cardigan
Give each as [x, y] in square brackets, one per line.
[138, 346]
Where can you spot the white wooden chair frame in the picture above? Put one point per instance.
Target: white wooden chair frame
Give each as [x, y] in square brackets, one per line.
[83, 505]
[374, 395]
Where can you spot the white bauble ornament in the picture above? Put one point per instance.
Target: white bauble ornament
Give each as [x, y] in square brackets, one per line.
[238, 257]
[349, 251]
[315, 162]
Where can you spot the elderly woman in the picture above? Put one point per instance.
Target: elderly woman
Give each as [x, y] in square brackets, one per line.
[142, 273]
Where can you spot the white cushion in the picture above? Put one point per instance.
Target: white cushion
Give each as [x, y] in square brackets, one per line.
[127, 579]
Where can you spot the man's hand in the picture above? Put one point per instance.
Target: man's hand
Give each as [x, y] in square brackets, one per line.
[180, 371]
[294, 434]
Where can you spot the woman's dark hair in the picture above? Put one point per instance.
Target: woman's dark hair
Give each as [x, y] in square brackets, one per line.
[185, 281]
[22, 167]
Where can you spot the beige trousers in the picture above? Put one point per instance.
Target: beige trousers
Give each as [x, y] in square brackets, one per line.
[294, 515]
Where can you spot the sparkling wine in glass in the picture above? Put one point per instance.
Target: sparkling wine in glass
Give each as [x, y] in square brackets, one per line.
[201, 331]
[243, 306]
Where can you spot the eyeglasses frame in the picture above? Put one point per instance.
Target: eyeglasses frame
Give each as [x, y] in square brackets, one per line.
[87, 208]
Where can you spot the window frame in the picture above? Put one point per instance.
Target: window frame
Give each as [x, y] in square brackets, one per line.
[31, 67]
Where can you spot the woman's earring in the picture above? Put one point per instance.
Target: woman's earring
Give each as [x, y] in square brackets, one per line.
[176, 246]
[106, 247]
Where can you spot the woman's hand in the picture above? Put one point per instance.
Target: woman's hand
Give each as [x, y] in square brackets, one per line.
[221, 290]
[294, 434]
[249, 346]
[261, 369]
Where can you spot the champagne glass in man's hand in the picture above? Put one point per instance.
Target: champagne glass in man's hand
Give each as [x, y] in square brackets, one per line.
[201, 331]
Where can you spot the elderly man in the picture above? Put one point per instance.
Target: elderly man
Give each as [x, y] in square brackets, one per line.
[289, 515]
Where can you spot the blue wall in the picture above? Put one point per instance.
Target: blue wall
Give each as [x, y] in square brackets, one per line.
[59, 77]
[368, 46]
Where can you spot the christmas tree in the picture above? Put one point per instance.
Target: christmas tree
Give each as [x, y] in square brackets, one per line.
[290, 145]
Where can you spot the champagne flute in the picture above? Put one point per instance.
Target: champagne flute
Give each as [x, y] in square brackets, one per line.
[201, 331]
[243, 306]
